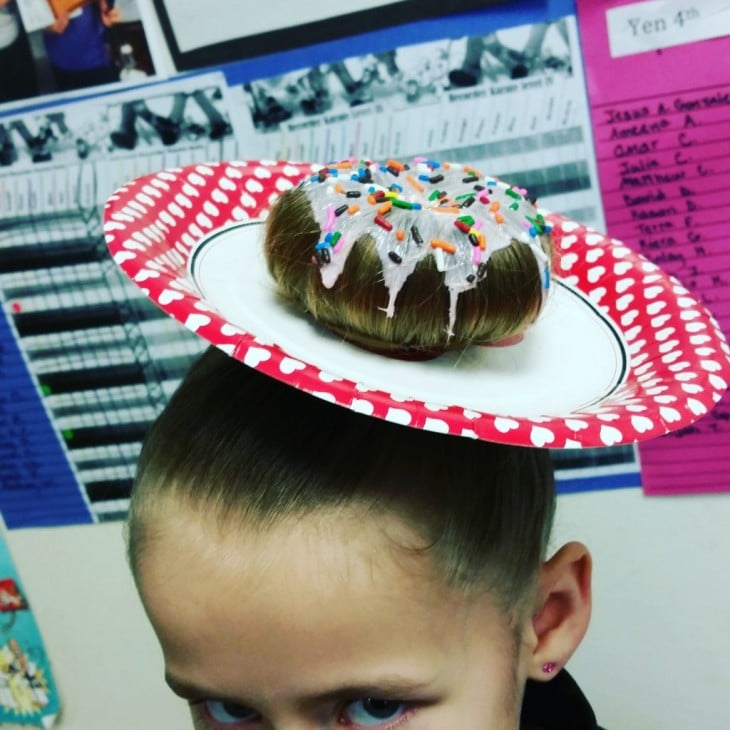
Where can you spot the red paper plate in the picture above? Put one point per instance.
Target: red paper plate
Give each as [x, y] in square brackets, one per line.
[621, 353]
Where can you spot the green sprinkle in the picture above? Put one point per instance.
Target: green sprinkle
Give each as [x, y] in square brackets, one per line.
[398, 203]
[67, 434]
[464, 196]
[514, 206]
[512, 193]
[466, 219]
[335, 237]
[434, 195]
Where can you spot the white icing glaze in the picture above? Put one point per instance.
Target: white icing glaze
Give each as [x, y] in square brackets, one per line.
[497, 214]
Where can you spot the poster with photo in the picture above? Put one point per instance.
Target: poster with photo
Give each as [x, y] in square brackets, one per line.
[99, 42]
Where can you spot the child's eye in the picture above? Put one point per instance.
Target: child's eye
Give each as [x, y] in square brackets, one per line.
[371, 712]
[227, 713]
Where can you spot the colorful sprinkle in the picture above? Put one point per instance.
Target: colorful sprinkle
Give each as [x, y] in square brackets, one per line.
[443, 245]
[383, 223]
[414, 183]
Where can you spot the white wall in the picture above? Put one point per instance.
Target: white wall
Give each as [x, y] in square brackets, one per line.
[657, 655]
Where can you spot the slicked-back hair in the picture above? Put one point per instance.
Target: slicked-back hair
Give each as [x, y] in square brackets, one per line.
[246, 451]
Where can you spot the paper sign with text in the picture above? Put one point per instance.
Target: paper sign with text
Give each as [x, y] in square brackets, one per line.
[649, 26]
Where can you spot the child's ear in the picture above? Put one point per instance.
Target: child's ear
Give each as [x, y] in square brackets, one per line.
[562, 611]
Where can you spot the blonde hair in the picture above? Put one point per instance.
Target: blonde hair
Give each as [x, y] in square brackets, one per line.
[506, 299]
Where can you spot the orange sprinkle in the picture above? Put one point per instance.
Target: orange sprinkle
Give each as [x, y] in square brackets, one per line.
[400, 235]
[446, 165]
[385, 207]
[344, 165]
[339, 188]
[396, 165]
[371, 199]
[414, 183]
[499, 218]
[444, 209]
[443, 245]
[353, 209]
[494, 206]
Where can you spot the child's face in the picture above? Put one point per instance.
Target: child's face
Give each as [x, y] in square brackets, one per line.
[324, 623]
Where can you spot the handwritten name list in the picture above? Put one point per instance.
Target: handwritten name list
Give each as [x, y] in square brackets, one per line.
[661, 121]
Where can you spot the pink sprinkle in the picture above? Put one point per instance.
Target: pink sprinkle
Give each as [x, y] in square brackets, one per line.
[521, 191]
[338, 246]
[330, 222]
[476, 256]
[420, 159]
[478, 223]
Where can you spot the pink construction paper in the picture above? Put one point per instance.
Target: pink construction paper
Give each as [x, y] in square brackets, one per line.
[661, 121]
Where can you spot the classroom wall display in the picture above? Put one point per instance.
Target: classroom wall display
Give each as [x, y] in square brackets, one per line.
[664, 165]
[88, 361]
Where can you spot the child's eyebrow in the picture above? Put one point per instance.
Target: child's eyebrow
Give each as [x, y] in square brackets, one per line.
[386, 688]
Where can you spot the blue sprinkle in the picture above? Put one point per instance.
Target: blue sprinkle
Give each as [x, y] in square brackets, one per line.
[433, 164]
[354, 177]
[547, 278]
[424, 177]
[417, 206]
[491, 183]
[328, 238]
[532, 231]
[396, 187]
[383, 168]
[322, 244]
[371, 189]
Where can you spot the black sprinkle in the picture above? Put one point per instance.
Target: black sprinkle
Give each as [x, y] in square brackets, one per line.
[416, 235]
[353, 194]
[322, 255]
[436, 178]
[442, 194]
[392, 170]
[481, 271]
[471, 278]
[473, 239]
[533, 200]
[467, 202]
[471, 178]
[322, 175]
[479, 187]
[339, 211]
[393, 256]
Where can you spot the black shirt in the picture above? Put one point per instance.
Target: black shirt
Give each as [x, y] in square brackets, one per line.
[556, 705]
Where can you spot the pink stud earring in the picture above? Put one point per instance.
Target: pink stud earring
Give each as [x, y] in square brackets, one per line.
[549, 667]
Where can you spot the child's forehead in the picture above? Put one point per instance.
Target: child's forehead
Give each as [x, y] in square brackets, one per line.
[345, 542]
[297, 593]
